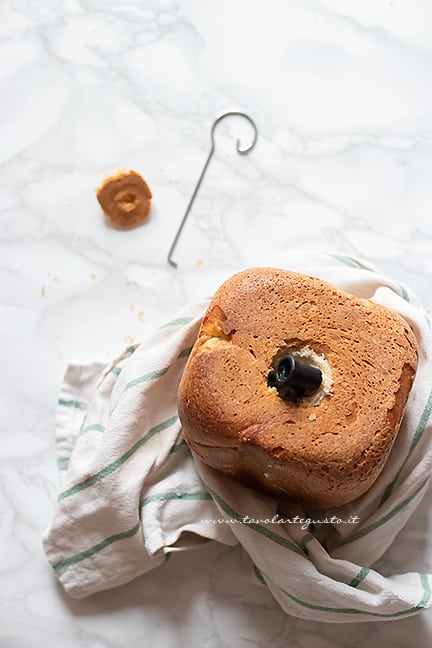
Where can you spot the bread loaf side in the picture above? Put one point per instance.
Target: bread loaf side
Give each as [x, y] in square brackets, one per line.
[321, 452]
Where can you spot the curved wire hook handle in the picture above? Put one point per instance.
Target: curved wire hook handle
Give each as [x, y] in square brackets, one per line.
[240, 150]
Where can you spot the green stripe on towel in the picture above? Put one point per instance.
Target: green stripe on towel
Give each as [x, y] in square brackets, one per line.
[178, 322]
[63, 463]
[362, 532]
[383, 615]
[348, 261]
[112, 467]
[82, 555]
[404, 293]
[152, 375]
[305, 539]
[185, 352]
[259, 575]
[92, 427]
[164, 497]
[416, 438]
[259, 528]
[364, 571]
[179, 446]
[390, 615]
[72, 403]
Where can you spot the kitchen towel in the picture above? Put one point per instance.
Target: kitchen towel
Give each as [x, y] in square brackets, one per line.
[132, 493]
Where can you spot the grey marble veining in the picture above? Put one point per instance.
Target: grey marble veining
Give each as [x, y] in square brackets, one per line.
[341, 92]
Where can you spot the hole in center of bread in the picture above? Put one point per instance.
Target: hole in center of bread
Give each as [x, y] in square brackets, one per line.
[308, 356]
[126, 200]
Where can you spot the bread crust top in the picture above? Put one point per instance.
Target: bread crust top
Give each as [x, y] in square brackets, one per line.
[235, 422]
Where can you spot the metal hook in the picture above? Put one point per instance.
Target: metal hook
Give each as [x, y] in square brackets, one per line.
[240, 150]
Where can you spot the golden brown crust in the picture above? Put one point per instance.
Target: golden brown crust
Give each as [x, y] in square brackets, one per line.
[125, 198]
[321, 456]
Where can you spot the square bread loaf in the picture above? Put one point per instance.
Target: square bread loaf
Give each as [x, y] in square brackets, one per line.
[321, 448]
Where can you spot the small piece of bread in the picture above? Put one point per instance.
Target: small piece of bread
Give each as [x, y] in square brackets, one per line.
[320, 451]
[125, 198]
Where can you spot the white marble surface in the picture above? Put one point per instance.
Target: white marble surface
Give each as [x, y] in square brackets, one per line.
[341, 92]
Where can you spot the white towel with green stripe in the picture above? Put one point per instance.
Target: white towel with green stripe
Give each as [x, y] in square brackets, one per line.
[132, 493]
